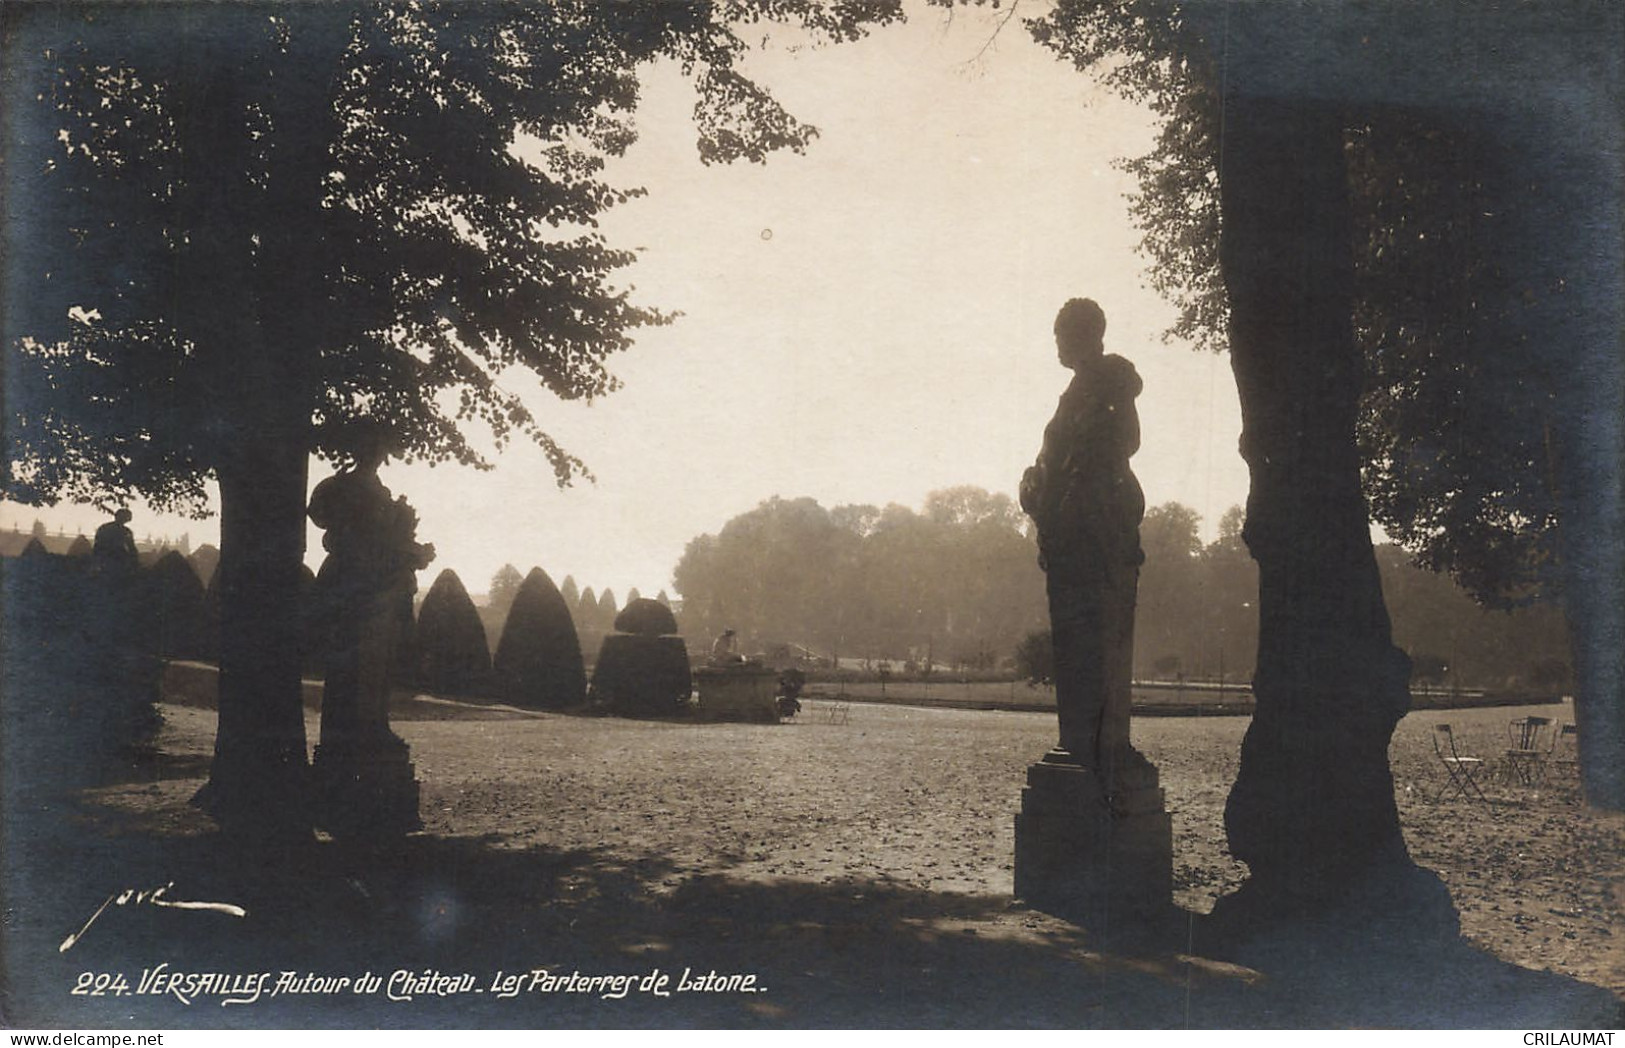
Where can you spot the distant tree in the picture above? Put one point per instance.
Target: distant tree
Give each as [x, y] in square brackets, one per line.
[504, 587]
[538, 663]
[38, 530]
[1231, 525]
[961, 576]
[1035, 657]
[81, 547]
[1171, 531]
[1171, 602]
[1227, 625]
[569, 591]
[767, 573]
[970, 506]
[663, 599]
[450, 652]
[1428, 668]
[586, 609]
[1485, 647]
[1167, 666]
[604, 621]
[632, 595]
[859, 520]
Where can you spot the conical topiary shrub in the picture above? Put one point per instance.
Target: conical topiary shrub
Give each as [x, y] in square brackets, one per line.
[538, 662]
[450, 652]
[205, 559]
[174, 616]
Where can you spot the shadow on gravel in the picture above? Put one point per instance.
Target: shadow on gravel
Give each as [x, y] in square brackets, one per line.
[473, 909]
[841, 954]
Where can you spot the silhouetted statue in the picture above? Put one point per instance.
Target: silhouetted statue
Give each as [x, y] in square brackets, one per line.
[725, 648]
[364, 779]
[1093, 837]
[114, 547]
[1087, 505]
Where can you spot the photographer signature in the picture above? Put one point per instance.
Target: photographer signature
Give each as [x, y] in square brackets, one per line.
[149, 897]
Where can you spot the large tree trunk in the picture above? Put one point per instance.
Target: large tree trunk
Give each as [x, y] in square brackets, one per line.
[270, 305]
[1313, 807]
[257, 786]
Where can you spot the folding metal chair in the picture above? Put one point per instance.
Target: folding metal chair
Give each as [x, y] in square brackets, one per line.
[1526, 759]
[1565, 751]
[1463, 771]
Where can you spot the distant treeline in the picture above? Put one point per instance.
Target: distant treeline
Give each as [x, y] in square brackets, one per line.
[957, 586]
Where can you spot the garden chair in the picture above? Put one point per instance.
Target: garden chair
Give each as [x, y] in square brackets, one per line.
[1526, 760]
[1565, 751]
[1463, 771]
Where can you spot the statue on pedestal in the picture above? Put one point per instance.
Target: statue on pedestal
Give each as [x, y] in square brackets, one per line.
[365, 784]
[1087, 505]
[1093, 836]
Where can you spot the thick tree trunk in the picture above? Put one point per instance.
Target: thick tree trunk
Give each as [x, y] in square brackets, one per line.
[271, 306]
[1313, 807]
[257, 786]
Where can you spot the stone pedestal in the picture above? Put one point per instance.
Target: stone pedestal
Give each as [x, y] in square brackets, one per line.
[1097, 856]
[365, 792]
[740, 692]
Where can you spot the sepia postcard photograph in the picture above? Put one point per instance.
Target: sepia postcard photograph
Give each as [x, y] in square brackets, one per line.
[808, 514]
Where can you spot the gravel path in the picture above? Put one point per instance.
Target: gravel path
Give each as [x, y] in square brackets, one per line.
[649, 833]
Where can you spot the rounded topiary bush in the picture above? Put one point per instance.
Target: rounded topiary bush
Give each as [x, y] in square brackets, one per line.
[645, 617]
[538, 661]
[450, 652]
[642, 675]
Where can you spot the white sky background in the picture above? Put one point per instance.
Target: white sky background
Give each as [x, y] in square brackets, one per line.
[868, 322]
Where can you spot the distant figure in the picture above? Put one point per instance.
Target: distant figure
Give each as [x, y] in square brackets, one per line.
[114, 548]
[725, 648]
[1087, 505]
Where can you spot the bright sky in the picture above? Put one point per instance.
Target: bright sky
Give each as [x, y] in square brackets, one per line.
[865, 323]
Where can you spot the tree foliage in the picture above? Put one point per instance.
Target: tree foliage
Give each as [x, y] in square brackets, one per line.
[401, 199]
[1458, 429]
[959, 581]
[504, 587]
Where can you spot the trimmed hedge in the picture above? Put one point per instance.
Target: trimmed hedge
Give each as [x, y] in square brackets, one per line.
[642, 675]
[645, 617]
[538, 662]
[450, 653]
[174, 612]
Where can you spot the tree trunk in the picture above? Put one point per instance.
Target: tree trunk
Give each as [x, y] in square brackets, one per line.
[275, 312]
[257, 785]
[1313, 807]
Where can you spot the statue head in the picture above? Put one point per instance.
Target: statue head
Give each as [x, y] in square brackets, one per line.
[1080, 332]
